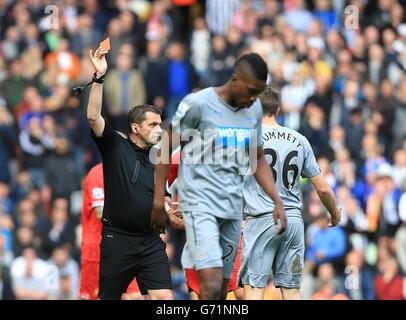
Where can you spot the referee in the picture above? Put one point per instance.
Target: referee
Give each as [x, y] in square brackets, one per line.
[129, 247]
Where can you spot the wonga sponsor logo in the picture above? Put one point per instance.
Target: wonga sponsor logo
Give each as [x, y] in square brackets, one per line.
[234, 137]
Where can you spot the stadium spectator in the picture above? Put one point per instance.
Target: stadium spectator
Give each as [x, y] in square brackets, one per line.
[323, 11]
[219, 67]
[298, 17]
[8, 141]
[68, 271]
[60, 171]
[399, 128]
[85, 35]
[326, 245]
[200, 47]
[28, 275]
[6, 290]
[293, 98]
[219, 15]
[401, 235]
[388, 282]
[153, 67]
[124, 87]
[35, 143]
[328, 286]
[58, 231]
[399, 168]
[181, 77]
[382, 209]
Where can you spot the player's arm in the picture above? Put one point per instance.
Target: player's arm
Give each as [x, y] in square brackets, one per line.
[265, 179]
[174, 216]
[159, 217]
[187, 117]
[168, 203]
[327, 197]
[94, 105]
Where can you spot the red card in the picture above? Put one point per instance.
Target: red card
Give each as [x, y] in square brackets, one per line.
[105, 44]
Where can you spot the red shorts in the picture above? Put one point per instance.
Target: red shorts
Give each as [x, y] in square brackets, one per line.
[133, 287]
[89, 281]
[192, 278]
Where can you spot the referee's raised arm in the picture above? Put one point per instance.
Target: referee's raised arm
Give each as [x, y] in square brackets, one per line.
[94, 105]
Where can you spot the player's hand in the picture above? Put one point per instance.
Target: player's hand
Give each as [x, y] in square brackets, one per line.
[167, 204]
[335, 219]
[279, 217]
[99, 61]
[176, 219]
[159, 218]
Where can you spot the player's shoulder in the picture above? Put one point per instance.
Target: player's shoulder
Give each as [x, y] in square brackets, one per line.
[95, 172]
[198, 97]
[256, 106]
[302, 139]
[193, 101]
[97, 169]
[292, 131]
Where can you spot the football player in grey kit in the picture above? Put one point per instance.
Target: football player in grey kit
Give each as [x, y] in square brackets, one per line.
[265, 253]
[226, 123]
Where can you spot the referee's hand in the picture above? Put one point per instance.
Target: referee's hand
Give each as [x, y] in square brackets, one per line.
[99, 61]
[159, 218]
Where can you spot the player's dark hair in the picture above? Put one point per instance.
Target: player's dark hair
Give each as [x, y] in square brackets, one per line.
[258, 66]
[270, 99]
[137, 114]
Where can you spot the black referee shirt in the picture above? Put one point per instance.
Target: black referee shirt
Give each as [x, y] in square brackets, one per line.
[128, 184]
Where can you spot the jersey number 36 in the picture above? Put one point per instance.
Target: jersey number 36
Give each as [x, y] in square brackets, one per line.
[287, 167]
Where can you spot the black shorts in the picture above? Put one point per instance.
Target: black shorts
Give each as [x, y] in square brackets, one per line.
[123, 257]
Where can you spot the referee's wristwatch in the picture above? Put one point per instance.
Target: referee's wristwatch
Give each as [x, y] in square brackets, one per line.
[98, 80]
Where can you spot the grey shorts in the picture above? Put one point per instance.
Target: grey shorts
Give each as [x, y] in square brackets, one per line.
[211, 242]
[266, 255]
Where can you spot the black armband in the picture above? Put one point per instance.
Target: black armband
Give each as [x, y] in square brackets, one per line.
[98, 80]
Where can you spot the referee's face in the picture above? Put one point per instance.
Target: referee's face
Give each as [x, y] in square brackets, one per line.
[150, 129]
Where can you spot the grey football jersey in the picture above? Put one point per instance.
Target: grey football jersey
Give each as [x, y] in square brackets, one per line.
[216, 140]
[289, 155]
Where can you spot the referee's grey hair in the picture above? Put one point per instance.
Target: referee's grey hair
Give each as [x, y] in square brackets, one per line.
[137, 114]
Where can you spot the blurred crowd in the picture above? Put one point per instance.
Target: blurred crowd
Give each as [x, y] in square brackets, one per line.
[340, 66]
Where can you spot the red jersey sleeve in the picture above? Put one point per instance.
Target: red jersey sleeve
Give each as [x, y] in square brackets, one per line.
[173, 171]
[96, 188]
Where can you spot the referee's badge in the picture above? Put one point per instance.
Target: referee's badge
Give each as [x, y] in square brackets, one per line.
[98, 193]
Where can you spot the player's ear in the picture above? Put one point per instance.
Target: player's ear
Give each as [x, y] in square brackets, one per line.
[234, 79]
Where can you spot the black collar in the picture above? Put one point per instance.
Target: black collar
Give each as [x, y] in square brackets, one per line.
[136, 147]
